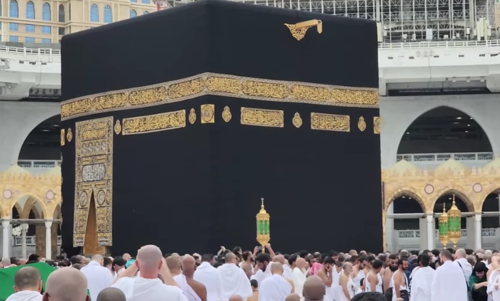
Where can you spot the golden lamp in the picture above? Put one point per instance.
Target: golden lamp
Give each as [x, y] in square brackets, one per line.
[443, 227]
[454, 224]
[263, 232]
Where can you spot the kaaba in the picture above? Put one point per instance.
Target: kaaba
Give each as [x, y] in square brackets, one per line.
[177, 123]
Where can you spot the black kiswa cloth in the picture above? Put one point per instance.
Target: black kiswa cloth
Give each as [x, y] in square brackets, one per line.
[220, 37]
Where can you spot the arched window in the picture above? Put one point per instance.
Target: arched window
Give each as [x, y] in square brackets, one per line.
[145, 12]
[46, 17]
[30, 15]
[133, 13]
[62, 19]
[13, 13]
[108, 15]
[94, 13]
[146, 1]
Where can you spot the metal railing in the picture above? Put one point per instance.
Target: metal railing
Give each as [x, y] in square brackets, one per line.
[47, 55]
[445, 156]
[38, 163]
[31, 241]
[489, 232]
[440, 44]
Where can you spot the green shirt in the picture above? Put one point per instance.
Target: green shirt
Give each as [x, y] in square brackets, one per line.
[473, 280]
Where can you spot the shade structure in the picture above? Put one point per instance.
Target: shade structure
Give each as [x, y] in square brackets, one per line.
[7, 277]
[183, 119]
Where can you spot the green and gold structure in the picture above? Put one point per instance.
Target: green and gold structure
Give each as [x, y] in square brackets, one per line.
[191, 139]
[454, 224]
[443, 228]
[263, 229]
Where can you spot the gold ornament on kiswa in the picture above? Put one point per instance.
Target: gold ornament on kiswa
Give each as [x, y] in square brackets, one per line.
[263, 229]
[297, 121]
[299, 30]
[192, 116]
[63, 137]
[208, 113]
[69, 135]
[454, 223]
[118, 127]
[443, 227]
[361, 124]
[376, 125]
[226, 114]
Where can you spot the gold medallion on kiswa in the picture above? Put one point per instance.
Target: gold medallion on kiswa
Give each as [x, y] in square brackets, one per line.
[262, 117]
[330, 122]
[154, 123]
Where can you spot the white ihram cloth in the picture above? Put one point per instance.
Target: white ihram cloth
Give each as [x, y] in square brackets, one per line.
[98, 278]
[287, 271]
[261, 275]
[494, 285]
[187, 290]
[274, 288]
[449, 283]
[25, 296]
[208, 275]
[421, 284]
[465, 266]
[234, 281]
[299, 278]
[141, 289]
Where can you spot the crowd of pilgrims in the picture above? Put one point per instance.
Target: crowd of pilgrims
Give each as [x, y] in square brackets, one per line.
[460, 275]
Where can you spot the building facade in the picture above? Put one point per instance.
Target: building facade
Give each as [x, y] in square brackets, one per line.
[439, 72]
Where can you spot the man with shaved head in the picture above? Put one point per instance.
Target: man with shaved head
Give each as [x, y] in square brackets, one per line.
[98, 277]
[293, 297]
[66, 284]
[235, 298]
[27, 284]
[287, 271]
[192, 289]
[111, 294]
[299, 277]
[314, 289]
[276, 287]
[174, 264]
[148, 286]
[234, 279]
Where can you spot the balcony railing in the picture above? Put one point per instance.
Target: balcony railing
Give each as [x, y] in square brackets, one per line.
[45, 55]
[440, 44]
[39, 163]
[446, 156]
[490, 232]
[30, 241]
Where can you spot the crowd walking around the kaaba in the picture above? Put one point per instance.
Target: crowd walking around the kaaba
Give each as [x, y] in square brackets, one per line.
[428, 275]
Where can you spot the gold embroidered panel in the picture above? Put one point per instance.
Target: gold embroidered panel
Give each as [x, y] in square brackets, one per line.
[94, 177]
[261, 117]
[221, 85]
[376, 125]
[330, 122]
[154, 123]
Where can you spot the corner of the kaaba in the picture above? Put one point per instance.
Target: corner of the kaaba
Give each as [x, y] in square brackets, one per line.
[182, 120]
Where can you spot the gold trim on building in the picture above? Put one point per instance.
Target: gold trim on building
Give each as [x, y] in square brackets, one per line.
[261, 117]
[376, 125]
[220, 85]
[208, 113]
[154, 123]
[296, 120]
[361, 124]
[226, 114]
[192, 116]
[118, 127]
[330, 122]
[69, 135]
[63, 137]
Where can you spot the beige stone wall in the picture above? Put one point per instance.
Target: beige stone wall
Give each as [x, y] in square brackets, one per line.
[76, 13]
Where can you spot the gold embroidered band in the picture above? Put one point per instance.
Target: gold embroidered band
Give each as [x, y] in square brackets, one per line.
[330, 122]
[261, 117]
[154, 123]
[220, 85]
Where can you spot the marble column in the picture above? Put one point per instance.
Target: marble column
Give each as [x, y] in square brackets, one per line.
[431, 239]
[48, 240]
[478, 232]
[389, 229]
[6, 239]
[24, 228]
[423, 233]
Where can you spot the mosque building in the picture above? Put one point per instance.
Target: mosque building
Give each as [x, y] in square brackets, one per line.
[439, 72]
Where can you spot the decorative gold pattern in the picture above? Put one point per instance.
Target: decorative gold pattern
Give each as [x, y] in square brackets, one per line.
[207, 114]
[330, 122]
[261, 117]
[226, 114]
[192, 116]
[376, 125]
[118, 127]
[220, 85]
[94, 173]
[154, 123]
[69, 135]
[297, 121]
[361, 124]
[299, 30]
[63, 137]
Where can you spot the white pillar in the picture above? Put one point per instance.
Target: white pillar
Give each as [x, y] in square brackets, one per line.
[470, 241]
[24, 228]
[430, 231]
[422, 222]
[389, 229]
[478, 233]
[48, 240]
[6, 239]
